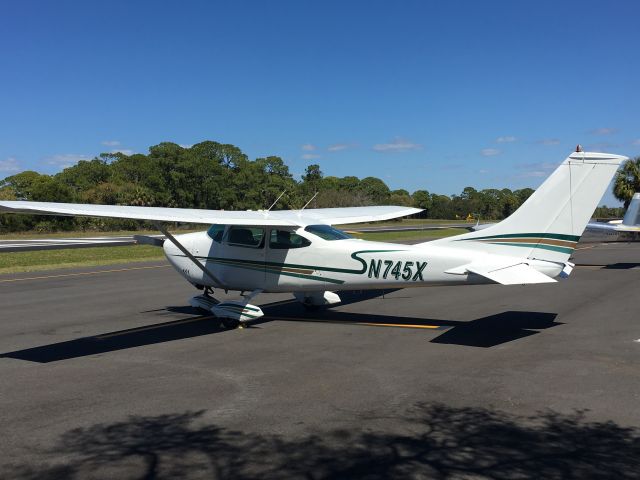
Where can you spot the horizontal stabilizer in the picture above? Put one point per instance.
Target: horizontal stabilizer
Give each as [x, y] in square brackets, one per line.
[505, 274]
[154, 240]
[519, 274]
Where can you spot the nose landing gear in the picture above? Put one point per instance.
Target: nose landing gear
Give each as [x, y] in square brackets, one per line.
[232, 313]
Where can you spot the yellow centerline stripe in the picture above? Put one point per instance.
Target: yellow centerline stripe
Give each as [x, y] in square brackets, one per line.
[211, 317]
[586, 248]
[78, 274]
[401, 325]
[346, 322]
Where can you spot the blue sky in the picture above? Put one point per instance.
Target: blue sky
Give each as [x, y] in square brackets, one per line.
[423, 94]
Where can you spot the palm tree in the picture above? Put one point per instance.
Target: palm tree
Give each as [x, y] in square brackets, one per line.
[627, 181]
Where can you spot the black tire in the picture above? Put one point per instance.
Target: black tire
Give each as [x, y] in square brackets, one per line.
[230, 323]
[311, 308]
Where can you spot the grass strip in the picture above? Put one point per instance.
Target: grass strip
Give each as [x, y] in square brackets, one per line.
[15, 262]
[85, 234]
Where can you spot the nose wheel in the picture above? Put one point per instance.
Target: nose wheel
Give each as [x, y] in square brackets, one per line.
[231, 313]
[231, 323]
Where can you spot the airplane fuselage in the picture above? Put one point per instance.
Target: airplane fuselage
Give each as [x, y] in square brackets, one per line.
[324, 265]
[596, 232]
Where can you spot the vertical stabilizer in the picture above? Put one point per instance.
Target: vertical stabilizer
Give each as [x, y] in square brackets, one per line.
[549, 223]
[632, 215]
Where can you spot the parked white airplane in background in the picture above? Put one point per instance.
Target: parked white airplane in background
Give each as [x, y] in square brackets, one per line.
[627, 229]
[300, 252]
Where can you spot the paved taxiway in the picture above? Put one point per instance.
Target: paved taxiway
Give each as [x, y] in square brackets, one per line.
[106, 374]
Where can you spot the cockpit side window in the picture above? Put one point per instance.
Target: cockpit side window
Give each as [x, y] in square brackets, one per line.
[286, 239]
[216, 232]
[241, 236]
[327, 232]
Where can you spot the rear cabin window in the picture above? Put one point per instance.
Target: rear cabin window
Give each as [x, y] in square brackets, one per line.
[286, 239]
[216, 232]
[241, 236]
[327, 232]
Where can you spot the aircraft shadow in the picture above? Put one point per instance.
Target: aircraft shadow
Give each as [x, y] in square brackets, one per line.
[194, 326]
[120, 340]
[497, 329]
[483, 332]
[621, 266]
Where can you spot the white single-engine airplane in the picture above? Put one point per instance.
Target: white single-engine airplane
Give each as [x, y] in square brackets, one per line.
[300, 251]
[624, 230]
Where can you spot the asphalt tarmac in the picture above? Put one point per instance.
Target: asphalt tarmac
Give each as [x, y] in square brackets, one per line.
[106, 373]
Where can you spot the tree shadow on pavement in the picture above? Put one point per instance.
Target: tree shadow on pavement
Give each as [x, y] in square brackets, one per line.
[427, 441]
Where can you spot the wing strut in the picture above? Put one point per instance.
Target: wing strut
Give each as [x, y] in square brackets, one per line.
[189, 255]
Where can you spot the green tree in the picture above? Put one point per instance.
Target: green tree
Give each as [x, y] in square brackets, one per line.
[509, 202]
[627, 181]
[50, 189]
[422, 199]
[312, 174]
[400, 197]
[441, 206]
[85, 174]
[22, 184]
[375, 189]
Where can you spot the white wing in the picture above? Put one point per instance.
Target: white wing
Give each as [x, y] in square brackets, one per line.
[330, 216]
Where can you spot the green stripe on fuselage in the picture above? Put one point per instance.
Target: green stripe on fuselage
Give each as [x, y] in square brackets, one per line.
[260, 267]
[544, 246]
[551, 236]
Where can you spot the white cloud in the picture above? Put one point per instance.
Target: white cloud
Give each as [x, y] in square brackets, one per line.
[336, 147]
[549, 141]
[65, 160]
[483, 171]
[603, 131]
[111, 143]
[124, 151]
[9, 165]
[533, 174]
[538, 166]
[490, 152]
[186, 145]
[506, 139]
[307, 147]
[536, 169]
[310, 156]
[397, 145]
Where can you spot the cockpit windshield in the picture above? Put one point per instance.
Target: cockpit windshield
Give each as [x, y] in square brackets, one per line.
[216, 232]
[327, 232]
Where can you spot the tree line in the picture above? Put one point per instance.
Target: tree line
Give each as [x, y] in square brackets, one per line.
[212, 175]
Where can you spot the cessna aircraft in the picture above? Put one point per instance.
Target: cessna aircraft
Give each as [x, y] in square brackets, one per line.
[623, 230]
[299, 251]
